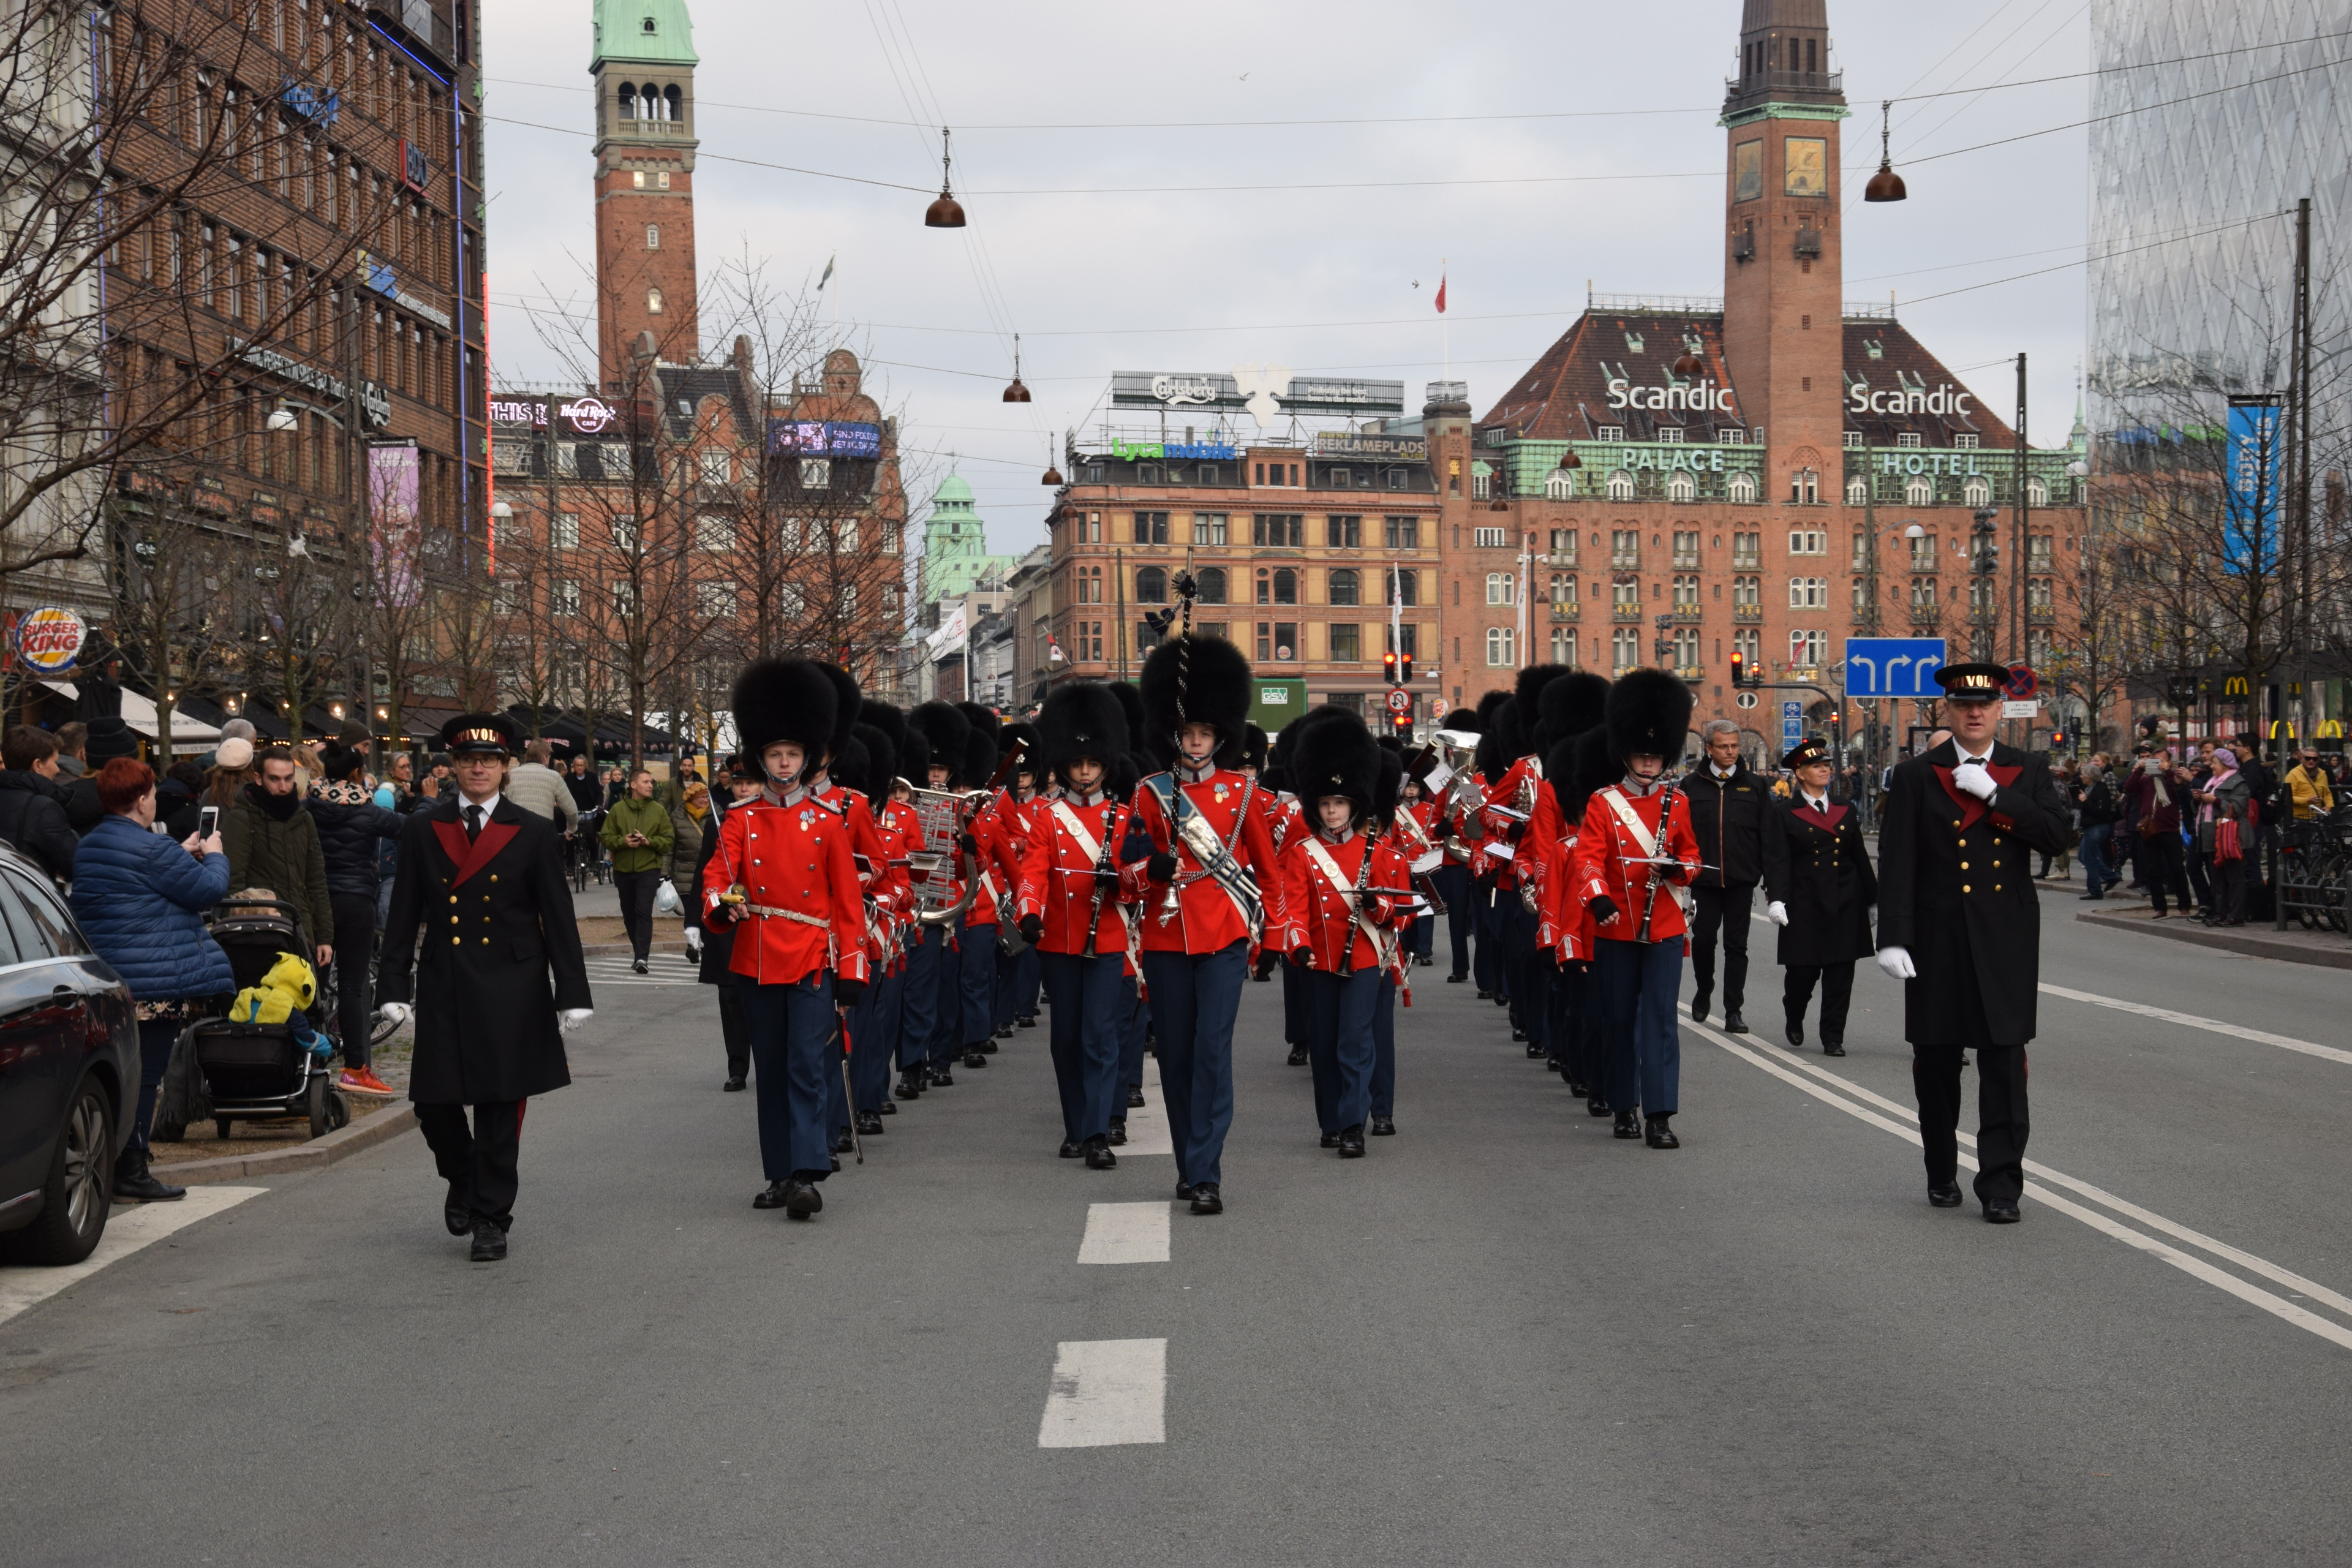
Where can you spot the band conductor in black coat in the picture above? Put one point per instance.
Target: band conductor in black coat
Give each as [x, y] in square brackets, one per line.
[1818, 888]
[1960, 923]
[481, 890]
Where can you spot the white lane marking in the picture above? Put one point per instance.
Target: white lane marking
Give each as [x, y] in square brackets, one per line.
[2211, 1026]
[2124, 1206]
[1126, 1233]
[2187, 1020]
[2197, 1267]
[1147, 1124]
[1104, 1392]
[127, 1230]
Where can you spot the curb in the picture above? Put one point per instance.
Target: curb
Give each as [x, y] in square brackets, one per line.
[2337, 957]
[376, 1127]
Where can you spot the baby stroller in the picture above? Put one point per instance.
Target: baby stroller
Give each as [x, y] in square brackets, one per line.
[251, 1072]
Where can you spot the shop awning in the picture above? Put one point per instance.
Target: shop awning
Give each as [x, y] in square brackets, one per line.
[138, 713]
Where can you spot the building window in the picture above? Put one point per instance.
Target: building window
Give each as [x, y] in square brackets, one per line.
[2038, 551]
[1401, 532]
[1625, 649]
[1286, 586]
[1563, 645]
[1805, 487]
[1558, 486]
[1686, 547]
[1686, 591]
[1211, 582]
[1919, 491]
[1343, 533]
[1090, 585]
[1479, 480]
[1979, 491]
[1344, 585]
[653, 237]
[1285, 640]
[715, 535]
[716, 601]
[1861, 550]
[1490, 538]
[1680, 486]
[1907, 441]
[1502, 648]
[1279, 531]
[816, 473]
[1499, 588]
[1923, 593]
[654, 302]
[1808, 541]
[1746, 592]
[1564, 547]
[1853, 440]
[624, 534]
[1090, 641]
[1626, 549]
[1563, 587]
[1346, 642]
[1742, 488]
[1808, 649]
[1609, 432]
[1746, 549]
[2036, 493]
[625, 598]
[1857, 491]
[1151, 527]
[1404, 586]
[717, 467]
[1686, 651]
[1965, 443]
[1209, 527]
[1922, 554]
[1808, 592]
[1625, 596]
[565, 534]
[1620, 486]
[564, 596]
[1150, 585]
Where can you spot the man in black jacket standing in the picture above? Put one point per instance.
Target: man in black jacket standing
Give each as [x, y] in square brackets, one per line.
[32, 803]
[481, 881]
[1726, 810]
[1960, 923]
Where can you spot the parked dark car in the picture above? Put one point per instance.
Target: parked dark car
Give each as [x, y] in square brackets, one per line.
[69, 1074]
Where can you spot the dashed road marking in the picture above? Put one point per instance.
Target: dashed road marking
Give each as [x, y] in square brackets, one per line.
[1147, 1124]
[1106, 1393]
[1126, 1233]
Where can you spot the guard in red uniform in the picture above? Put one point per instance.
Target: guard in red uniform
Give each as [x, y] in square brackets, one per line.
[786, 878]
[1199, 842]
[1078, 921]
[843, 779]
[1636, 839]
[1339, 901]
[1020, 812]
[1571, 708]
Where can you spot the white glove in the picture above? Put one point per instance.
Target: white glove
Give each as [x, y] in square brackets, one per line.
[1777, 912]
[694, 942]
[573, 1017]
[1973, 777]
[395, 1013]
[1897, 963]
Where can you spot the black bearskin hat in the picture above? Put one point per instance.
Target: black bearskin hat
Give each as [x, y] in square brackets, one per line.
[1575, 768]
[882, 716]
[942, 733]
[1254, 747]
[1482, 719]
[784, 700]
[1122, 778]
[1528, 692]
[1649, 715]
[1499, 743]
[847, 703]
[851, 766]
[983, 721]
[1337, 755]
[1391, 781]
[881, 764]
[1031, 746]
[1216, 691]
[980, 754]
[1081, 718]
[1575, 702]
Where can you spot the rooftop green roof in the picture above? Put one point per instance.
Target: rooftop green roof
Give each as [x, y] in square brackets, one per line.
[656, 32]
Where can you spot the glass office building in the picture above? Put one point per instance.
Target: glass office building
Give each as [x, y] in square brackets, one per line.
[2196, 168]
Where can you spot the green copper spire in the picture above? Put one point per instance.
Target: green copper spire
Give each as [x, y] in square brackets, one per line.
[657, 32]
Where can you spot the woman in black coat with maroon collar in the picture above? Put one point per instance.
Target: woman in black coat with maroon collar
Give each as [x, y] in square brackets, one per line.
[1821, 890]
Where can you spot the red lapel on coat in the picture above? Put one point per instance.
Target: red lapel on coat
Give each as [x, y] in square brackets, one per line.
[1971, 808]
[470, 857]
[1827, 821]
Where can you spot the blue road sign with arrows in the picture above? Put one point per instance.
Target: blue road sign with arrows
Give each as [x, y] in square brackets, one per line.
[1792, 725]
[1892, 667]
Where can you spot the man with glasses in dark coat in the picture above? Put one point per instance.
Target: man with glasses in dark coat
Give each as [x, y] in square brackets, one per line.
[1726, 802]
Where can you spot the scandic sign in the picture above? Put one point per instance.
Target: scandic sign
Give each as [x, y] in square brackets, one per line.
[1706, 397]
[1861, 399]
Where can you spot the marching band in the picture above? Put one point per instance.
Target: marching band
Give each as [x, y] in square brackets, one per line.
[914, 888]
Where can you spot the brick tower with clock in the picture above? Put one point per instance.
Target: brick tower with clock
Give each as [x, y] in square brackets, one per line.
[644, 64]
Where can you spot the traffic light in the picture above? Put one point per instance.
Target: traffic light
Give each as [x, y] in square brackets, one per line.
[1738, 668]
[1388, 668]
[1404, 670]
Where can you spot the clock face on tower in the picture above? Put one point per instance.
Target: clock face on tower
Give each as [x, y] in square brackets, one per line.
[1806, 175]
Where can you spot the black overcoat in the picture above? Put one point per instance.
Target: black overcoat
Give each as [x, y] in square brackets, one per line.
[718, 941]
[494, 921]
[1817, 864]
[1956, 889]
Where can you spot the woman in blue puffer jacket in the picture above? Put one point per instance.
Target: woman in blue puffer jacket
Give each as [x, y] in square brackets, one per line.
[140, 899]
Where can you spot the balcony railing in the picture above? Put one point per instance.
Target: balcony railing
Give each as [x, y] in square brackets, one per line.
[1568, 612]
[1629, 615]
[1747, 613]
[2043, 613]
[1688, 614]
[1691, 672]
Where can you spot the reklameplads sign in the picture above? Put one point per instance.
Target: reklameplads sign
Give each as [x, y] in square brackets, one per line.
[1265, 392]
[824, 438]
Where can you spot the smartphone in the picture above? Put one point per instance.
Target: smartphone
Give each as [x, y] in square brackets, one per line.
[207, 822]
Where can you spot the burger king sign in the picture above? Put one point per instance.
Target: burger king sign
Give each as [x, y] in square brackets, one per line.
[49, 640]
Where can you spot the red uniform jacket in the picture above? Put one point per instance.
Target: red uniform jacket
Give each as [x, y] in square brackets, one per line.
[901, 830]
[1563, 922]
[1317, 917]
[998, 871]
[875, 875]
[1599, 867]
[1206, 919]
[1500, 820]
[1058, 875]
[793, 857]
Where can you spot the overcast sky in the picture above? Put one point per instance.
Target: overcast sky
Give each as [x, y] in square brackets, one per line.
[1600, 159]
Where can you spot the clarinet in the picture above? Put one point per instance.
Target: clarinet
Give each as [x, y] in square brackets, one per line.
[1657, 873]
[1363, 874]
[1102, 864]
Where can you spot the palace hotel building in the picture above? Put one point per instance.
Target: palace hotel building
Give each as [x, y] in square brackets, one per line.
[1674, 480]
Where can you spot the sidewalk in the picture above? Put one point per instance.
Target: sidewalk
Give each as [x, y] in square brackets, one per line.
[2324, 948]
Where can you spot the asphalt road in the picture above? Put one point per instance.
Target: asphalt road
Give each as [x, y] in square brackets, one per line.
[1504, 1338]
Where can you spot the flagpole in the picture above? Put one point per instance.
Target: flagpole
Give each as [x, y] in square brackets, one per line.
[1444, 328]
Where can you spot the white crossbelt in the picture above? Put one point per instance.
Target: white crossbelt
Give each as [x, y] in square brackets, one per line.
[1088, 844]
[1642, 838]
[1330, 869]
